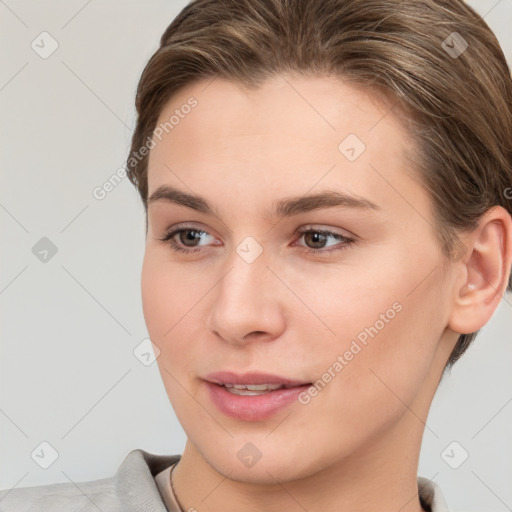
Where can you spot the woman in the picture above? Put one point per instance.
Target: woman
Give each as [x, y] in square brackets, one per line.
[328, 196]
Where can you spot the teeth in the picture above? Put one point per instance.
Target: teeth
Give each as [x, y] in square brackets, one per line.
[251, 389]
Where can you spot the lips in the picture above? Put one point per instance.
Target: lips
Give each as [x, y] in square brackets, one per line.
[252, 378]
[252, 396]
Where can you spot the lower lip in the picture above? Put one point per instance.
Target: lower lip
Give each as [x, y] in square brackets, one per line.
[253, 407]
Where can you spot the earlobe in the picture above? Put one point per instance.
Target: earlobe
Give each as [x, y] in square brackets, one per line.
[486, 270]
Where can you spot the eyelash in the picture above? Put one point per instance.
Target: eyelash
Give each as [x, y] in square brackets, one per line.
[168, 240]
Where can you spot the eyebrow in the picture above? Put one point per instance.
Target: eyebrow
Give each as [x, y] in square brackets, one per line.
[281, 208]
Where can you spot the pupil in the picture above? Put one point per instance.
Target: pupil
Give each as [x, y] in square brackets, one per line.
[190, 236]
[317, 237]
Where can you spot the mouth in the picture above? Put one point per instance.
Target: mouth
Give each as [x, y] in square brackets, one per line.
[252, 396]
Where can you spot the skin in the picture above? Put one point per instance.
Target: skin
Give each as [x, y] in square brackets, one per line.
[354, 446]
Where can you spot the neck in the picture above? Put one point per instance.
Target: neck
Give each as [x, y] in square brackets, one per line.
[381, 476]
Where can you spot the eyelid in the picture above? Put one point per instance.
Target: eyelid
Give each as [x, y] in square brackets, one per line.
[326, 229]
[184, 226]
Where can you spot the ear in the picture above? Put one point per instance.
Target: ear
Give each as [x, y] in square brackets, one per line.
[484, 272]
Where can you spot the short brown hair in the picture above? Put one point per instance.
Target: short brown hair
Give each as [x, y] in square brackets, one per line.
[459, 98]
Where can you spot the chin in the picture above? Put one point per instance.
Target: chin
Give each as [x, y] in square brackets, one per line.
[263, 461]
[264, 472]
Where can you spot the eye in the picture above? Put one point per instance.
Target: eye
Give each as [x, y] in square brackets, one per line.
[185, 237]
[318, 238]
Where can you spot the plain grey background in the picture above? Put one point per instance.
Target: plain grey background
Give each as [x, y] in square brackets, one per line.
[72, 318]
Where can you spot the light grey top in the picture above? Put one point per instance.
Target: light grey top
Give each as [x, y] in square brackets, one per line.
[141, 483]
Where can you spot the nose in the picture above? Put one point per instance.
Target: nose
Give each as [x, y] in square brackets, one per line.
[247, 305]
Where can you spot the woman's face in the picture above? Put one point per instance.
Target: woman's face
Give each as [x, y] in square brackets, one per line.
[352, 317]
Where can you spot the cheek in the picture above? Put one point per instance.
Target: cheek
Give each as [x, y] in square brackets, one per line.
[166, 304]
[171, 305]
[154, 298]
[385, 326]
[165, 298]
[392, 359]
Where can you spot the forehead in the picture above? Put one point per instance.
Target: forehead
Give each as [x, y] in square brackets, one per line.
[300, 107]
[294, 132]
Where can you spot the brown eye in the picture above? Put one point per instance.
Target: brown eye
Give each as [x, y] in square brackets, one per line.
[188, 236]
[187, 239]
[316, 241]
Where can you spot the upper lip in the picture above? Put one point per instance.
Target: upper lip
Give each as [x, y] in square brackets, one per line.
[228, 377]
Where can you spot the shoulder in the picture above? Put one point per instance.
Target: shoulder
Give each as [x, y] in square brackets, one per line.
[131, 488]
[61, 496]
